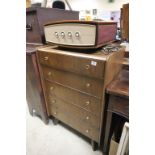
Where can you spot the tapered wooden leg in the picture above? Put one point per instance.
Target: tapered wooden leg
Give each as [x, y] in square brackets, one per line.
[45, 120]
[94, 145]
[55, 121]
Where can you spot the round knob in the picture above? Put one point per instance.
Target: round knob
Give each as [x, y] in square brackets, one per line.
[87, 103]
[69, 34]
[55, 113]
[87, 117]
[77, 34]
[56, 34]
[49, 73]
[62, 34]
[88, 85]
[53, 101]
[45, 58]
[87, 66]
[87, 131]
[51, 88]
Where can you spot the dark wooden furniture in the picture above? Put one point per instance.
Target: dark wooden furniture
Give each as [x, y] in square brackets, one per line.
[80, 34]
[117, 102]
[35, 19]
[124, 22]
[34, 92]
[74, 85]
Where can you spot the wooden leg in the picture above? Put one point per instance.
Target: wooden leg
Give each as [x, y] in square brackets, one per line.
[45, 120]
[108, 134]
[31, 112]
[55, 121]
[94, 145]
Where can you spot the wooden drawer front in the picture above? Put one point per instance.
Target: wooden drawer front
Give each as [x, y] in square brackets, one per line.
[79, 65]
[71, 34]
[89, 85]
[87, 102]
[68, 115]
[119, 105]
[32, 29]
[83, 115]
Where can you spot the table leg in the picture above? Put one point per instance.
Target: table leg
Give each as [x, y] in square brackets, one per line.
[108, 133]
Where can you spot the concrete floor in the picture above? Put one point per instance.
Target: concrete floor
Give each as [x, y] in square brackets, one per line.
[55, 140]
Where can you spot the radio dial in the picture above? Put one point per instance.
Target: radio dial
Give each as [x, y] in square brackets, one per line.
[56, 34]
[62, 34]
[69, 34]
[77, 34]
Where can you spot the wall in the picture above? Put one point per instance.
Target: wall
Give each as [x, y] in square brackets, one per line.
[94, 4]
[97, 4]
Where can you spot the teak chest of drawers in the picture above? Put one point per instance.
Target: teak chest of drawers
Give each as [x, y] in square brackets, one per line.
[74, 86]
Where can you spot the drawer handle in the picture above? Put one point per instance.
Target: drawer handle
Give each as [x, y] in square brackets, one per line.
[49, 73]
[55, 113]
[88, 85]
[46, 58]
[87, 131]
[87, 66]
[51, 88]
[87, 118]
[87, 103]
[53, 101]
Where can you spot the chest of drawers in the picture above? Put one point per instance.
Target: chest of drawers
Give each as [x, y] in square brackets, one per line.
[74, 86]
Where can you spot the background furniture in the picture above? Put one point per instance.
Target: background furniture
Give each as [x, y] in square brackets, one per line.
[35, 19]
[117, 103]
[34, 93]
[124, 22]
[123, 147]
[74, 86]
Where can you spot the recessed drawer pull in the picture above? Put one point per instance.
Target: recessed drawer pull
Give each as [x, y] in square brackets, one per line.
[87, 66]
[87, 103]
[87, 131]
[88, 85]
[53, 101]
[87, 117]
[49, 73]
[51, 88]
[46, 58]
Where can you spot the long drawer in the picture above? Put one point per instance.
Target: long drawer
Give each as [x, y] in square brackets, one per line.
[73, 63]
[74, 111]
[84, 101]
[85, 84]
[68, 114]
